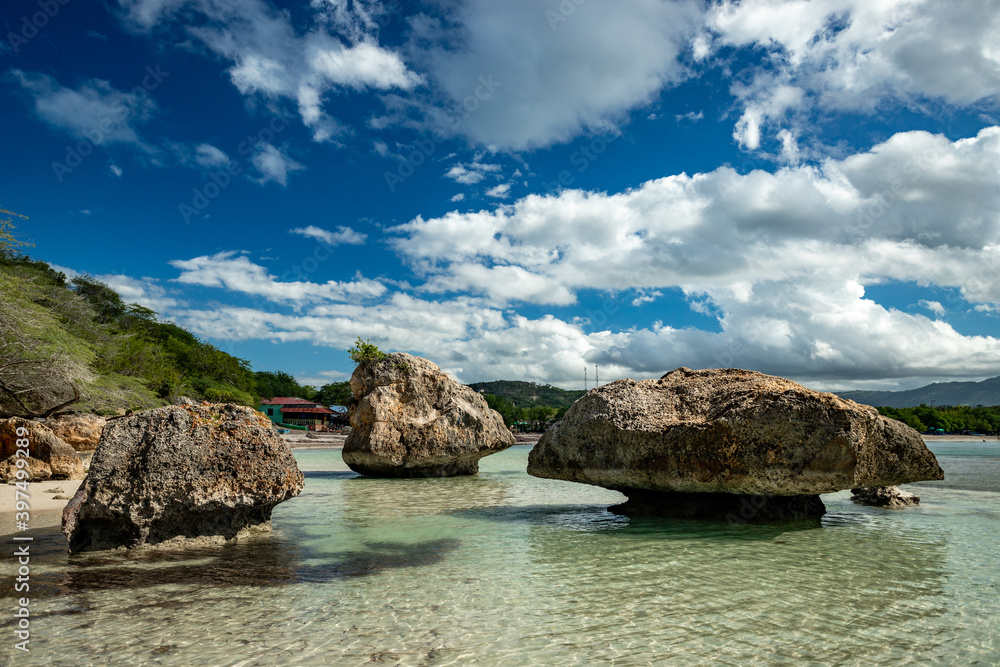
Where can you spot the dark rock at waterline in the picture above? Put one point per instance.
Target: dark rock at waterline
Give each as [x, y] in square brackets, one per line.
[191, 473]
[412, 420]
[891, 497]
[731, 433]
[735, 508]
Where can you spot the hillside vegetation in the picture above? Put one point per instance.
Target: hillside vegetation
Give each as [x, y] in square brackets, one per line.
[529, 394]
[526, 404]
[75, 344]
[950, 419]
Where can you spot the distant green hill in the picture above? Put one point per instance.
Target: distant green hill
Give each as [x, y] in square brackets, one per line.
[529, 394]
[986, 392]
[74, 344]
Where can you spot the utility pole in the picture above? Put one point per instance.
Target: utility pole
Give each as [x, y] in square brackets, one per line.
[597, 377]
[585, 378]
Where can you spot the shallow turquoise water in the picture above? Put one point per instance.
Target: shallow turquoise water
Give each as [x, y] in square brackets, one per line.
[506, 569]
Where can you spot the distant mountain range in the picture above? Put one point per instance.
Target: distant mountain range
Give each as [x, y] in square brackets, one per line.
[986, 392]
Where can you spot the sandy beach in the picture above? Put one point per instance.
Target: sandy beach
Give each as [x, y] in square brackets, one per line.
[46, 501]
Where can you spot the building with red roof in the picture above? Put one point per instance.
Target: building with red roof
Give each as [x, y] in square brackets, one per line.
[292, 411]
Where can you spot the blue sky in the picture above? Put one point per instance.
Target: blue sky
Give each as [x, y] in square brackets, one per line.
[517, 190]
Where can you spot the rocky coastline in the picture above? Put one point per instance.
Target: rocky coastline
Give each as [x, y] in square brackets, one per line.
[694, 444]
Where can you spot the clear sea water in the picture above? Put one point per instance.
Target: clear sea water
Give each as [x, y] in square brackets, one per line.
[506, 569]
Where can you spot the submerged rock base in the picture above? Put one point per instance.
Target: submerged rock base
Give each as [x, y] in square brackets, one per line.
[891, 497]
[374, 467]
[733, 507]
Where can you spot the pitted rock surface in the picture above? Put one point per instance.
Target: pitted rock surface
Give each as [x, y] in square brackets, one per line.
[728, 431]
[412, 420]
[181, 473]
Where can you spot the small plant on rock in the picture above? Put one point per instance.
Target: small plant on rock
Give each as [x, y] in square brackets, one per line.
[364, 351]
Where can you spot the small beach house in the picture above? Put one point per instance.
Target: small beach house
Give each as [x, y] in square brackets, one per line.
[283, 410]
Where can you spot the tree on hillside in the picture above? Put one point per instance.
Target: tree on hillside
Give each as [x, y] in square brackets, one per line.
[107, 303]
[276, 383]
[335, 393]
[36, 378]
[8, 242]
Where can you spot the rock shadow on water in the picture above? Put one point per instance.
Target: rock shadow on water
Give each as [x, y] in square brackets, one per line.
[259, 561]
[730, 507]
[603, 518]
[330, 474]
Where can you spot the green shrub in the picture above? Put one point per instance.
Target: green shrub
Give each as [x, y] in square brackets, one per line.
[365, 351]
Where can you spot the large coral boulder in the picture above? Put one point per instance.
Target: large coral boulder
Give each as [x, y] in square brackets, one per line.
[80, 431]
[412, 420]
[702, 443]
[205, 473]
[43, 444]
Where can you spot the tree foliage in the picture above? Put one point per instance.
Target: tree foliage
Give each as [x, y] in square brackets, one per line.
[278, 383]
[8, 242]
[529, 394]
[365, 351]
[950, 419]
[536, 418]
[335, 393]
